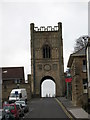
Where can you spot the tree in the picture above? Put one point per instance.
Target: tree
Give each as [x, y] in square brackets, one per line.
[81, 42]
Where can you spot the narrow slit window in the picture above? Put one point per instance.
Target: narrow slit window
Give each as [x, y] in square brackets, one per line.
[46, 52]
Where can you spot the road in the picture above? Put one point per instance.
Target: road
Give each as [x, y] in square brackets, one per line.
[45, 108]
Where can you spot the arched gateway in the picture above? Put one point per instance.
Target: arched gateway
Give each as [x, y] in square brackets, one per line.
[47, 57]
[47, 78]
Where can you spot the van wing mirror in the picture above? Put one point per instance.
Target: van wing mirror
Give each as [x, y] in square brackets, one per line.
[20, 95]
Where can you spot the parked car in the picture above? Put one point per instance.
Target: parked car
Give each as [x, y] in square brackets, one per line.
[24, 105]
[1, 114]
[7, 115]
[19, 107]
[13, 109]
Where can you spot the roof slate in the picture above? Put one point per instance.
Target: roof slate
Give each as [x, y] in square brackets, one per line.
[13, 72]
[79, 53]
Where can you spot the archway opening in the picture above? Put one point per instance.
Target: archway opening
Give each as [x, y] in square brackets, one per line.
[48, 88]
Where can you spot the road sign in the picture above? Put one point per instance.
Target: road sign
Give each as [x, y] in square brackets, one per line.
[68, 79]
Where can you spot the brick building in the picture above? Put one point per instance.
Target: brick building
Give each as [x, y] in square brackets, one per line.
[77, 65]
[13, 75]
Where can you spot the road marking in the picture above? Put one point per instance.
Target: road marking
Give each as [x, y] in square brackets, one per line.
[64, 109]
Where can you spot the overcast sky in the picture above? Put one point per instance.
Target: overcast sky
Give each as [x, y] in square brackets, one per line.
[15, 19]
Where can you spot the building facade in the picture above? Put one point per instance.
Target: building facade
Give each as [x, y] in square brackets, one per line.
[88, 68]
[12, 78]
[47, 57]
[77, 65]
[13, 75]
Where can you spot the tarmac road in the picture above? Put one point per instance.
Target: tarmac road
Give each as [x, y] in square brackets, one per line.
[45, 108]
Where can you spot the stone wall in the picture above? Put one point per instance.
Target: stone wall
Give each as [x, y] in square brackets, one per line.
[78, 96]
[6, 89]
[51, 67]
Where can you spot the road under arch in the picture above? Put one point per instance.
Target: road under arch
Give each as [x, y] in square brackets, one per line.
[48, 87]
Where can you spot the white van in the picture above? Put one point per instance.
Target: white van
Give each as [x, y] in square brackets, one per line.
[18, 94]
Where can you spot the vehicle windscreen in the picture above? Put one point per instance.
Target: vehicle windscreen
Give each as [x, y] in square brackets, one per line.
[9, 107]
[20, 102]
[14, 95]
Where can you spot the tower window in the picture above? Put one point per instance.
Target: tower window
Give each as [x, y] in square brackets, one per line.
[46, 52]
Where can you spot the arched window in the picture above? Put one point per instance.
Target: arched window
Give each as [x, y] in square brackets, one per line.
[46, 51]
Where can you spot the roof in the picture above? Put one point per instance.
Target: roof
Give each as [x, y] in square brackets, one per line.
[19, 90]
[79, 53]
[12, 73]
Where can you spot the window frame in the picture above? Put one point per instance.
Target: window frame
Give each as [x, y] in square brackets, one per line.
[46, 51]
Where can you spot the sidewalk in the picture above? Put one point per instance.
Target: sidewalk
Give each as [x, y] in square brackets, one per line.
[76, 112]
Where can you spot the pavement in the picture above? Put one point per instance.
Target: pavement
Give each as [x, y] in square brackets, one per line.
[1, 113]
[76, 112]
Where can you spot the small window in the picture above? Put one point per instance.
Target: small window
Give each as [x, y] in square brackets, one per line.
[76, 85]
[84, 62]
[46, 52]
[17, 81]
[84, 66]
[84, 81]
[85, 87]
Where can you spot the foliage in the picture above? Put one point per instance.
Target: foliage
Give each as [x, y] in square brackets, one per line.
[81, 42]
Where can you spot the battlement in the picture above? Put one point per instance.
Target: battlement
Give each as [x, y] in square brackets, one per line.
[48, 28]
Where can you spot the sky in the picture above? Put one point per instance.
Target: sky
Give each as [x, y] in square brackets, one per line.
[15, 19]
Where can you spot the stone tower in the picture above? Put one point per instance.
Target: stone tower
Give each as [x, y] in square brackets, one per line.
[47, 57]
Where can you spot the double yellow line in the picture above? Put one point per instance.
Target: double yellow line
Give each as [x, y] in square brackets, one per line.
[64, 109]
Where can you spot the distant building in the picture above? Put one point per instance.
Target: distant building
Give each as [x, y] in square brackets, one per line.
[13, 75]
[77, 65]
[12, 78]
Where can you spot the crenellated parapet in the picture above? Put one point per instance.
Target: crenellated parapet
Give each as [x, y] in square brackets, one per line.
[48, 28]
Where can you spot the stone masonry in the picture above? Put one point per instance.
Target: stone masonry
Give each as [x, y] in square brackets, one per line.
[47, 57]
